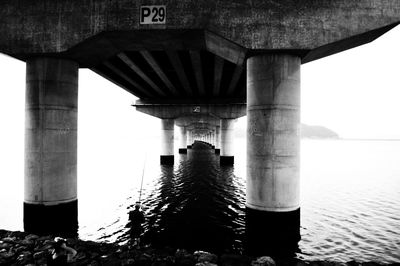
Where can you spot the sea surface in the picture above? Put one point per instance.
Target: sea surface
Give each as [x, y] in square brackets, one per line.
[350, 197]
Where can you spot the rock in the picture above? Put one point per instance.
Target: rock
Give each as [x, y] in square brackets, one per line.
[44, 238]
[202, 256]
[80, 256]
[181, 253]
[39, 255]
[234, 260]
[24, 258]
[20, 249]
[301, 263]
[31, 237]
[370, 264]
[5, 245]
[206, 263]
[183, 258]
[27, 243]
[10, 240]
[353, 263]
[162, 262]
[7, 255]
[128, 262]
[263, 261]
[18, 234]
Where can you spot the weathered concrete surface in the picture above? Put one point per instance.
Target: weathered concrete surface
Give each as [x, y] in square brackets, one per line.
[182, 137]
[273, 133]
[167, 137]
[173, 111]
[227, 137]
[44, 26]
[51, 118]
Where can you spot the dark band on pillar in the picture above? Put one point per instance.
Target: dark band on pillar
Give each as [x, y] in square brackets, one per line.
[60, 219]
[217, 151]
[272, 233]
[226, 160]
[183, 151]
[167, 159]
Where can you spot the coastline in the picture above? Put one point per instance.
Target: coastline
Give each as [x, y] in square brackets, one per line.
[20, 248]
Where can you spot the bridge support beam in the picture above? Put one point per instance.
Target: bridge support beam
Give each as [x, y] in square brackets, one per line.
[273, 145]
[183, 140]
[167, 142]
[51, 112]
[217, 139]
[227, 141]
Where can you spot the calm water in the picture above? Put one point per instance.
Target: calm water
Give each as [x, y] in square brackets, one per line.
[350, 198]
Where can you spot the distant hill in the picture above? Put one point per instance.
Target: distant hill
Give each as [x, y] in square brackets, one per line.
[307, 131]
[317, 132]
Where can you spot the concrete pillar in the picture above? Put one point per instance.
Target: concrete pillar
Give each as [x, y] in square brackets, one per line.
[227, 141]
[217, 139]
[273, 148]
[167, 142]
[213, 139]
[182, 140]
[189, 139]
[51, 115]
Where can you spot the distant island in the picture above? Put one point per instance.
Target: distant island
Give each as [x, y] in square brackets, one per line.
[317, 132]
[307, 131]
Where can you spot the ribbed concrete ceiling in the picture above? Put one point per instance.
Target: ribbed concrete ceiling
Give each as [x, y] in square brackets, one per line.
[167, 75]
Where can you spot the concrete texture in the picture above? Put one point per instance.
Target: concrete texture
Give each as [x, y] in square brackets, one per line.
[182, 137]
[86, 30]
[167, 137]
[227, 137]
[273, 140]
[51, 112]
[174, 111]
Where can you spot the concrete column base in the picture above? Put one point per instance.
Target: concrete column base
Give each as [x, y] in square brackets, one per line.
[217, 151]
[183, 151]
[226, 160]
[60, 219]
[189, 146]
[274, 234]
[167, 159]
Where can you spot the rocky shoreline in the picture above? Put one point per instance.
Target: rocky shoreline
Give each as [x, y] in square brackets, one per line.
[20, 248]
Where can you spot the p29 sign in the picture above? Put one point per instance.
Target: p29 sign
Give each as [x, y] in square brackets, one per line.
[153, 14]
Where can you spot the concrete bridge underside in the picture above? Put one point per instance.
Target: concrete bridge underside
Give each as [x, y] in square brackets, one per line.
[210, 63]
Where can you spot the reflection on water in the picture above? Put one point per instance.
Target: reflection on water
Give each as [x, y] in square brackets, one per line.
[195, 205]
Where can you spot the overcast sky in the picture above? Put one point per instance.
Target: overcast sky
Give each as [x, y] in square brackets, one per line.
[355, 93]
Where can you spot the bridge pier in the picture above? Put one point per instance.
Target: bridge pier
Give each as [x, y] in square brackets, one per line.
[167, 142]
[190, 139]
[217, 139]
[51, 112]
[227, 141]
[273, 145]
[183, 140]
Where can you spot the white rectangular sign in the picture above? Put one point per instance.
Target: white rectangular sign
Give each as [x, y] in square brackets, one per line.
[153, 14]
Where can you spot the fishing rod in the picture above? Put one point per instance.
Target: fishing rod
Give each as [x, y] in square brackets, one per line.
[141, 184]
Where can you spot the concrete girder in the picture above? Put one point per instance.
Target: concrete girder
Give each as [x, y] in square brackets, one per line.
[43, 27]
[188, 120]
[174, 111]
